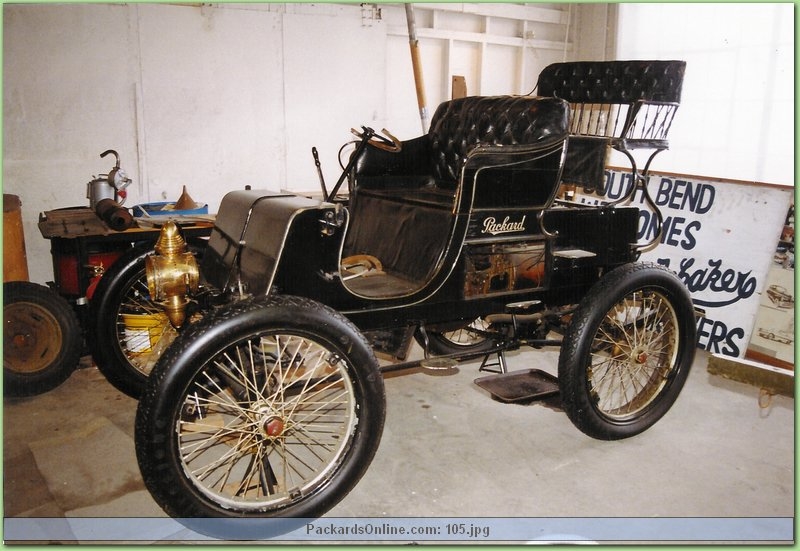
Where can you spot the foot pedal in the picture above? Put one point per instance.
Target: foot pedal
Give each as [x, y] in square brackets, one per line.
[438, 364]
[517, 386]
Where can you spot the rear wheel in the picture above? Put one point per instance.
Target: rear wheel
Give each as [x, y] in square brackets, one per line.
[468, 338]
[627, 351]
[42, 339]
[268, 408]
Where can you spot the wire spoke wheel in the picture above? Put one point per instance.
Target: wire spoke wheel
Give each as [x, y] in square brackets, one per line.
[627, 351]
[471, 335]
[129, 330]
[269, 407]
[142, 328]
[633, 354]
[266, 421]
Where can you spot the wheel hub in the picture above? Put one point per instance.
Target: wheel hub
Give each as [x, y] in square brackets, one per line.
[273, 426]
[637, 355]
[32, 339]
[270, 424]
[21, 340]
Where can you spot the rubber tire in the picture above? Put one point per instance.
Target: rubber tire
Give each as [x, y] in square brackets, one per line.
[156, 442]
[105, 344]
[41, 304]
[576, 348]
[440, 345]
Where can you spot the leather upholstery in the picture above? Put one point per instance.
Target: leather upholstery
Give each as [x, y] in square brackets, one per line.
[408, 195]
[459, 125]
[613, 81]
[407, 238]
[609, 82]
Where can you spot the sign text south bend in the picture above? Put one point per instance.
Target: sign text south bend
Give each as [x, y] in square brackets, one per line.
[492, 227]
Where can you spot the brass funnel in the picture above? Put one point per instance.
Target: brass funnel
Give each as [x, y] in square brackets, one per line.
[185, 201]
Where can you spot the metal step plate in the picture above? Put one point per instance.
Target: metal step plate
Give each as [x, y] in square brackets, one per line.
[438, 364]
[517, 386]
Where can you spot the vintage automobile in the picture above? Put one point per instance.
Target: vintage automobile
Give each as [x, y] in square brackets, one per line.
[266, 398]
[780, 297]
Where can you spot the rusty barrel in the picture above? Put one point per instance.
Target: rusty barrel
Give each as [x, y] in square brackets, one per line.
[15, 261]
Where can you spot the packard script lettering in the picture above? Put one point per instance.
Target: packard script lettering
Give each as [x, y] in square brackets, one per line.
[492, 227]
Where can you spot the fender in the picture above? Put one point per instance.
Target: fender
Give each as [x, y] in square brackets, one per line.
[250, 234]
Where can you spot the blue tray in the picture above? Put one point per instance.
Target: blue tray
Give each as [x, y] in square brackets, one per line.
[163, 209]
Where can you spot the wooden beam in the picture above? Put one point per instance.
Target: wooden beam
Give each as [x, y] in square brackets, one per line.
[774, 380]
[478, 38]
[557, 16]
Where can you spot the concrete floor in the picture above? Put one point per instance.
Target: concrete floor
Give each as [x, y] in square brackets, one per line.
[448, 450]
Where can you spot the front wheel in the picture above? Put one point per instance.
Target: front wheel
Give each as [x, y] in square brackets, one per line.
[128, 327]
[272, 407]
[627, 352]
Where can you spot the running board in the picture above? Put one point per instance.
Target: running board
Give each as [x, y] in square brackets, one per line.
[519, 386]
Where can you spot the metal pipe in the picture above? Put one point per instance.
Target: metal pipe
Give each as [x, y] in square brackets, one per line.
[416, 64]
[464, 356]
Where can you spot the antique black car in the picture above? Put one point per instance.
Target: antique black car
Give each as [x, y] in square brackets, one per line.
[266, 397]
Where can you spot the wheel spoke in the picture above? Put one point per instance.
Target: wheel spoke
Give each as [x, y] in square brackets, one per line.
[142, 346]
[470, 335]
[633, 353]
[266, 421]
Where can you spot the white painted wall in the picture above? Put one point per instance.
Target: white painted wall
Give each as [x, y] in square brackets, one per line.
[216, 97]
[736, 118]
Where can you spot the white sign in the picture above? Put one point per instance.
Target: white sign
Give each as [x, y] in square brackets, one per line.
[719, 236]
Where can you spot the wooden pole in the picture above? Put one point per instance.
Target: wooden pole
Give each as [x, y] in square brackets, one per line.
[416, 64]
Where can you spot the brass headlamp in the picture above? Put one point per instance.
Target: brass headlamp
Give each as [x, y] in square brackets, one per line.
[172, 273]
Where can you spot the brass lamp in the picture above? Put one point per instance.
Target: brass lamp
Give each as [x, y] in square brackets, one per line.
[172, 273]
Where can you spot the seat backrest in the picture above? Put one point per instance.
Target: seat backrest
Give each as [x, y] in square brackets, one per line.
[627, 104]
[623, 100]
[613, 81]
[459, 125]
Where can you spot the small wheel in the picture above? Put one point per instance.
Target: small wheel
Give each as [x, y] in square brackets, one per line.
[468, 338]
[42, 339]
[627, 352]
[270, 407]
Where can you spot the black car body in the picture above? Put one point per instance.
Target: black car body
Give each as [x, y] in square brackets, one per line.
[441, 235]
[270, 400]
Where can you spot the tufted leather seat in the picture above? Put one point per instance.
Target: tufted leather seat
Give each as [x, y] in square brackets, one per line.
[459, 125]
[434, 161]
[409, 195]
[428, 168]
[620, 104]
[613, 81]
